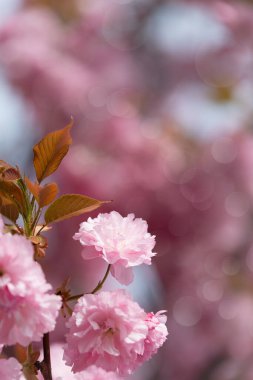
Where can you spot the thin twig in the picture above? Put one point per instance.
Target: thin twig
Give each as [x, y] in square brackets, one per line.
[98, 287]
[42, 227]
[101, 283]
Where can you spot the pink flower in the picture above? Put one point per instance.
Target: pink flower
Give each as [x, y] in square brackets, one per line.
[27, 311]
[121, 241]
[10, 369]
[111, 331]
[157, 333]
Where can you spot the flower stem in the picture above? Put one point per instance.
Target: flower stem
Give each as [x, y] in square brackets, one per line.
[75, 297]
[101, 283]
[42, 227]
[98, 287]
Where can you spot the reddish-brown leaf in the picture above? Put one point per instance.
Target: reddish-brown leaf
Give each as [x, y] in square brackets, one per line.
[4, 165]
[8, 172]
[20, 353]
[50, 151]
[70, 205]
[44, 195]
[8, 209]
[33, 187]
[47, 194]
[13, 193]
[11, 174]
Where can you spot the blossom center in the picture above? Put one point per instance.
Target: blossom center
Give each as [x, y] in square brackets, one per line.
[109, 331]
[108, 328]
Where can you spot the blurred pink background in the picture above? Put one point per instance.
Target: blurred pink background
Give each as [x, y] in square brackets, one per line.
[162, 97]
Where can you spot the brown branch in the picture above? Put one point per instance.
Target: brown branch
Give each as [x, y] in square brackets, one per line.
[45, 365]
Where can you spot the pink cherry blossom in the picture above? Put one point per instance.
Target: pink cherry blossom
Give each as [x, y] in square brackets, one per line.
[27, 310]
[10, 369]
[112, 331]
[157, 332]
[121, 241]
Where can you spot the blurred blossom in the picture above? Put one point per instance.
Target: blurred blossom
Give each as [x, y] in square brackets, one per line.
[11, 369]
[182, 29]
[224, 67]
[7, 8]
[186, 311]
[236, 205]
[185, 103]
[212, 290]
[117, 26]
[227, 309]
[224, 150]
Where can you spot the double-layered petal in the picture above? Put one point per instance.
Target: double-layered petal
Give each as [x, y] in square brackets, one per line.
[123, 242]
[112, 331]
[27, 309]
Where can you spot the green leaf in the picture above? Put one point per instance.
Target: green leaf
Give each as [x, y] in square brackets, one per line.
[70, 205]
[50, 151]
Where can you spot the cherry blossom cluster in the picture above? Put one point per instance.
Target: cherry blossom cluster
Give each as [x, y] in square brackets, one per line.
[110, 330]
[109, 335]
[196, 193]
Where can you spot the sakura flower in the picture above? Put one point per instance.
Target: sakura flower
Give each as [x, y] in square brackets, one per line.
[27, 311]
[10, 369]
[157, 332]
[112, 331]
[121, 241]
